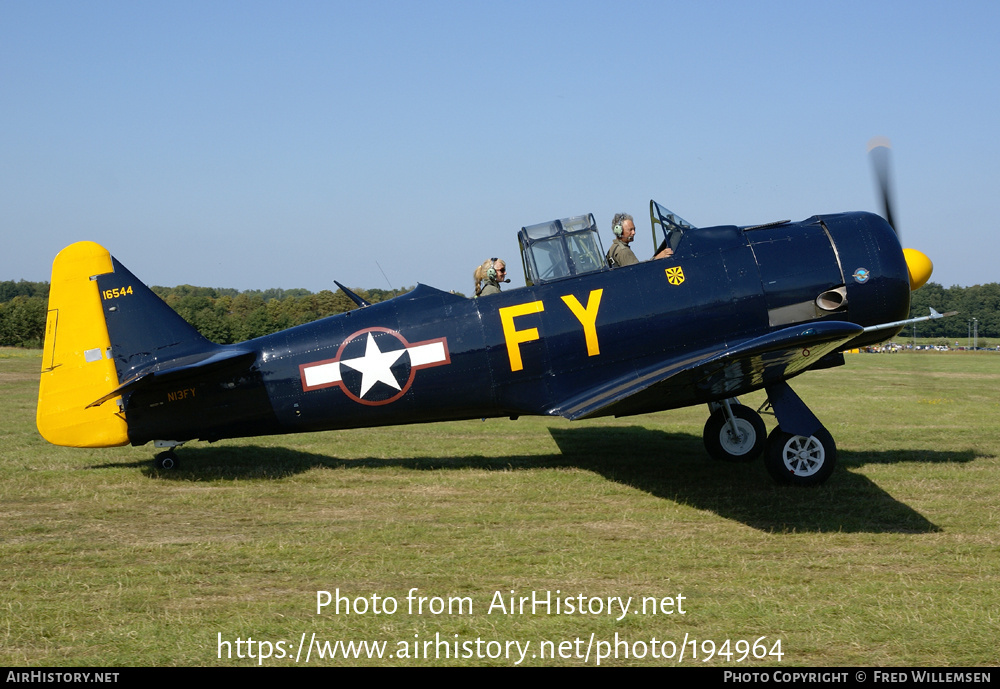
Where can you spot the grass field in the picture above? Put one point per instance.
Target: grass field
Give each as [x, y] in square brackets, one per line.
[895, 561]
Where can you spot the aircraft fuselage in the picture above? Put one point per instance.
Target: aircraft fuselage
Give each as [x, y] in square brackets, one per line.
[431, 355]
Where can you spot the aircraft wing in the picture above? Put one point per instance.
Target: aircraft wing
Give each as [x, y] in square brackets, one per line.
[714, 374]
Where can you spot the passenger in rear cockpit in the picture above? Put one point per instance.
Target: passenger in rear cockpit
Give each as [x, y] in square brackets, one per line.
[492, 271]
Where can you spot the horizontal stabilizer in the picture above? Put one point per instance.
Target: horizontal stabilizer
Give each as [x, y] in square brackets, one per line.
[167, 370]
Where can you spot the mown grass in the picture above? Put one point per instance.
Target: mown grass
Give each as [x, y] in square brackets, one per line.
[895, 561]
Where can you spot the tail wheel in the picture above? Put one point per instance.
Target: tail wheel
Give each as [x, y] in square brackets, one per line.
[167, 461]
[745, 445]
[800, 461]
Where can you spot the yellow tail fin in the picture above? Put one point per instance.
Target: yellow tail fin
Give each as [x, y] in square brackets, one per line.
[77, 367]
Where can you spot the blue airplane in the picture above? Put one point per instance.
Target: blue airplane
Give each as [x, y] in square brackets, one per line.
[732, 310]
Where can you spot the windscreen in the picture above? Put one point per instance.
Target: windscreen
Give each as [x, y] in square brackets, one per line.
[668, 227]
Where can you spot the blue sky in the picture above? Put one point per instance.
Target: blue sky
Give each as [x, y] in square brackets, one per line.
[256, 145]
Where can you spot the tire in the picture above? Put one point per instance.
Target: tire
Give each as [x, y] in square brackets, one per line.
[799, 461]
[719, 440]
[166, 461]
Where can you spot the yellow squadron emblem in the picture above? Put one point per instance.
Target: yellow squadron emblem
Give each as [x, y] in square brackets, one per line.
[675, 276]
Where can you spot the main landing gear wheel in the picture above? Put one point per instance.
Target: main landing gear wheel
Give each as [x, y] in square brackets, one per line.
[167, 461]
[743, 446]
[800, 461]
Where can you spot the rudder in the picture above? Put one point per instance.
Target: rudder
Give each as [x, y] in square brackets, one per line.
[77, 367]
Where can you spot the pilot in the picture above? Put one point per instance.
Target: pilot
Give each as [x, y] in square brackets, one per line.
[620, 254]
[493, 271]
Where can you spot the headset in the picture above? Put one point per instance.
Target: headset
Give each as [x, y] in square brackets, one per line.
[619, 223]
[491, 272]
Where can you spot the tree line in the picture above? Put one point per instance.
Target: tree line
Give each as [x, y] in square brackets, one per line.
[222, 315]
[23, 306]
[226, 316]
[981, 302]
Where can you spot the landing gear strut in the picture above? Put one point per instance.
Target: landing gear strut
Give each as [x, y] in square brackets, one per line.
[800, 451]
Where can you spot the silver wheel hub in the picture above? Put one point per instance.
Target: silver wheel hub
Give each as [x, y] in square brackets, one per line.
[739, 443]
[803, 456]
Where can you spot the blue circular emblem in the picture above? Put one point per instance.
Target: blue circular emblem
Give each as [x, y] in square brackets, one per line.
[862, 275]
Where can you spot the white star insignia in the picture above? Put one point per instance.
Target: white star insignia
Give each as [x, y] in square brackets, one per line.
[375, 366]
